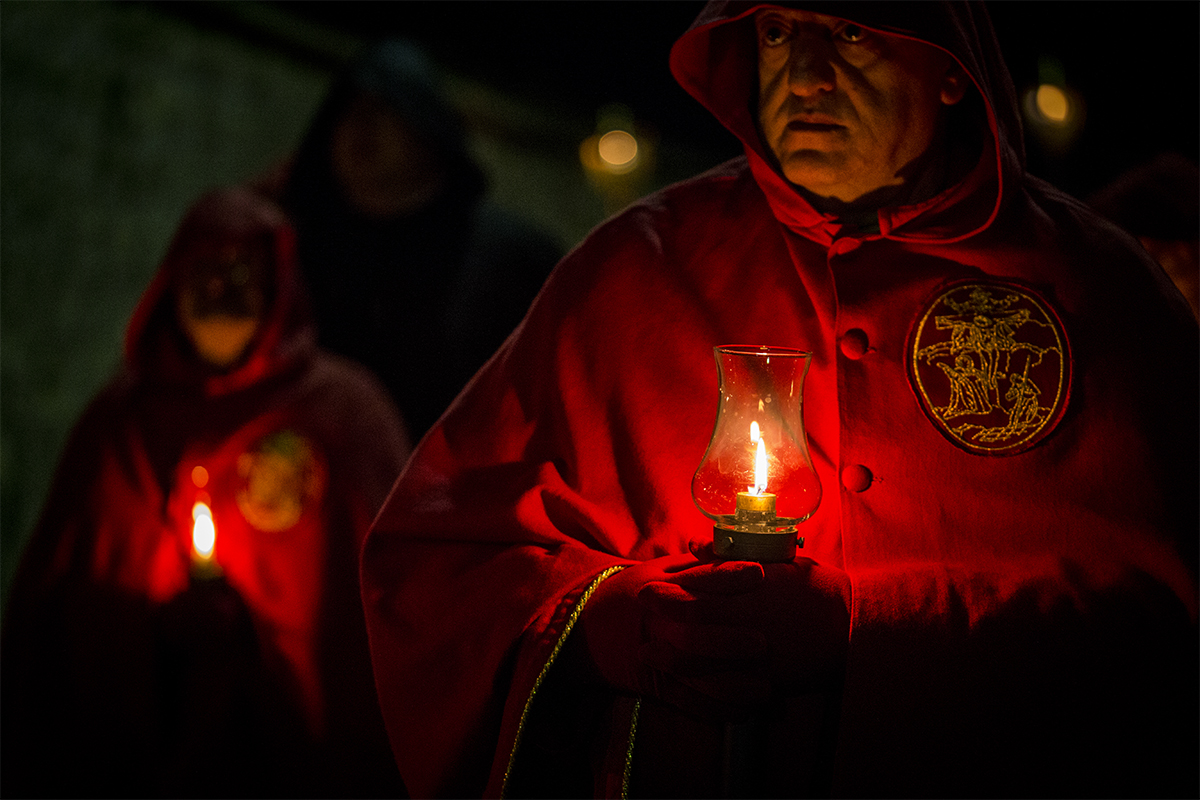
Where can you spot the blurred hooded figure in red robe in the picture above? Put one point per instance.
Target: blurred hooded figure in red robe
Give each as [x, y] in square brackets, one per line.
[132, 666]
[997, 594]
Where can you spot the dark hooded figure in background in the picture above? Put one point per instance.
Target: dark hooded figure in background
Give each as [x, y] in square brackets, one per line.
[413, 272]
[144, 659]
[996, 595]
[1159, 203]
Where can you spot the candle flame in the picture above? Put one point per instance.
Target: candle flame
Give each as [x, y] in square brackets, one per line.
[760, 462]
[204, 531]
[760, 469]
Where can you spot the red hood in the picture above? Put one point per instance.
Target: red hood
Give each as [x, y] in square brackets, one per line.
[155, 348]
[715, 62]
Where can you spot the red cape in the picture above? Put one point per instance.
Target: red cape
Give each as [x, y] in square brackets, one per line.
[1000, 586]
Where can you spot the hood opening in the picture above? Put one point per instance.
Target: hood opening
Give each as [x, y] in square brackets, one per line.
[208, 260]
[716, 62]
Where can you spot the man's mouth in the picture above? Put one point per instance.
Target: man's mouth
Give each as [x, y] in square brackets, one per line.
[812, 125]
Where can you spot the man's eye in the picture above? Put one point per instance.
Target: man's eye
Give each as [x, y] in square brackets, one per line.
[851, 33]
[773, 34]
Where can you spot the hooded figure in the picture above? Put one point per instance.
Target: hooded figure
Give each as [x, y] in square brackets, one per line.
[138, 662]
[1159, 203]
[413, 273]
[997, 593]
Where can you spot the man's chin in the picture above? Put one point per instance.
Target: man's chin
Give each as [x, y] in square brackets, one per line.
[817, 173]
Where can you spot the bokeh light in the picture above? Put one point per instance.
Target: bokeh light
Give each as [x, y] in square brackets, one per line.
[1053, 110]
[618, 148]
[618, 158]
[1053, 103]
[611, 151]
[199, 476]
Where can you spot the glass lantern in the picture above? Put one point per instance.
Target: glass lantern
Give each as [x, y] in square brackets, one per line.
[756, 481]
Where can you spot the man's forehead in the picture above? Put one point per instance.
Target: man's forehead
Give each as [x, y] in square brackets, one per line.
[799, 16]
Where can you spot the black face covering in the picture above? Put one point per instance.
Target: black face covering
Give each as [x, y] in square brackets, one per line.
[230, 281]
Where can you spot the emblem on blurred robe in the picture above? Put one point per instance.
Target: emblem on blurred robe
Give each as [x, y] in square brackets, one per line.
[278, 477]
[990, 365]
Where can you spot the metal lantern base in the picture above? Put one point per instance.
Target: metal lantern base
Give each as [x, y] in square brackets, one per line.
[765, 548]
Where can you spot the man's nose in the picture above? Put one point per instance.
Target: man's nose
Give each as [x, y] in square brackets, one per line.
[810, 67]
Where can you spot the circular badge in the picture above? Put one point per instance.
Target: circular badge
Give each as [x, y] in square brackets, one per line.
[278, 477]
[990, 365]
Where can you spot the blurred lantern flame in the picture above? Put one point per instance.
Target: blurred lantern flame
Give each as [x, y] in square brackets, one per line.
[618, 158]
[1053, 103]
[204, 532]
[613, 152]
[618, 149]
[760, 462]
[1053, 110]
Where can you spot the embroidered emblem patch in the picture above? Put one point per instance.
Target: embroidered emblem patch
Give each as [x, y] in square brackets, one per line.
[278, 477]
[991, 367]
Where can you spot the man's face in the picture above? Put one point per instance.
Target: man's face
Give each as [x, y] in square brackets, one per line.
[842, 108]
[220, 299]
[383, 168]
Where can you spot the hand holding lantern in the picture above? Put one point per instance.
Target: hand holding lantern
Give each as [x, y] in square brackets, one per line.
[719, 638]
[758, 444]
[716, 639]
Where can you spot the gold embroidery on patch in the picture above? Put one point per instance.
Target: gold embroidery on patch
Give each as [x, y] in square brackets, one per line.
[278, 476]
[991, 367]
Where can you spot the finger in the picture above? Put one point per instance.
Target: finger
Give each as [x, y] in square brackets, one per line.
[660, 600]
[722, 577]
[672, 564]
[671, 601]
[702, 550]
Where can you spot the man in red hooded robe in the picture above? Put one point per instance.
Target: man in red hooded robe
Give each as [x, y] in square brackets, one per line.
[997, 594]
[137, 663]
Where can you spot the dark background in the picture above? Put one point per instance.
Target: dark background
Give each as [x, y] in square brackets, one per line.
[1134, 63]
[114, 116]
